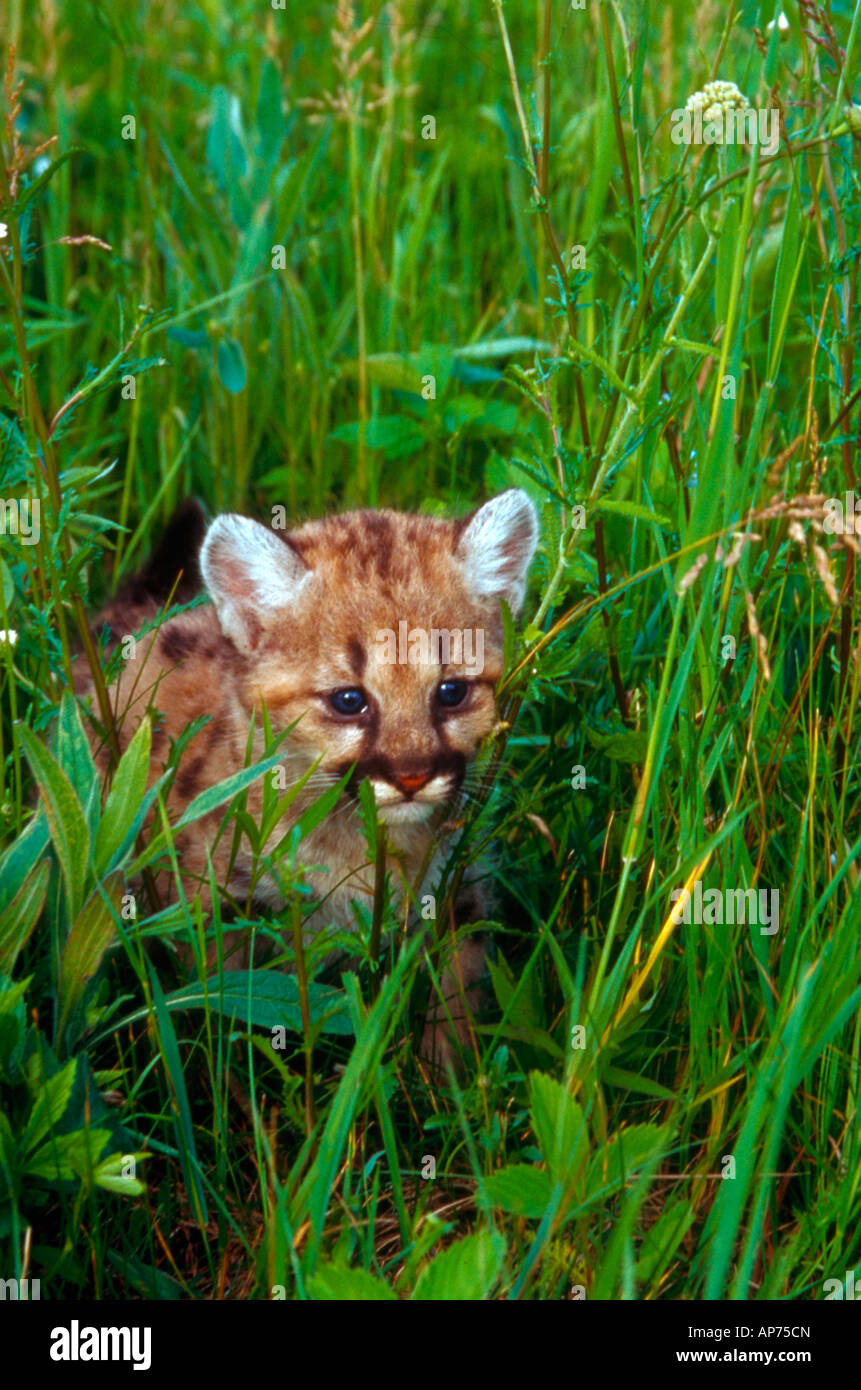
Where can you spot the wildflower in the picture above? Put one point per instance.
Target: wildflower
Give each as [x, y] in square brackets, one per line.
[3, 231]
[8, 638]
[782, 25]
[716, 100]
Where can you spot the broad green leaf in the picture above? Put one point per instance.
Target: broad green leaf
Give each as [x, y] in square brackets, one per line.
[124, 798]
[142, 811]
[466, 1271]
[408, 371]
[394, 370]
[64, 1157]
[189, 337]
[491, 416]
[21, 916]
[12, 994]
[520, 1001]
[397, 435]
[92, 934]
[625, 746]
[492, 348]
[520, 1189]
[13, 1028]
[72, 752]
[332, 1283]
[265, 999]
[224, 153]
[231, 366]
[150, 1282]
[109, 1175]
[65, 818]
[559, 1126]
[50, 1104]
[628, 1150]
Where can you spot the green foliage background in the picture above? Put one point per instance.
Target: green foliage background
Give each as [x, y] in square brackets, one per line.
[249, 215]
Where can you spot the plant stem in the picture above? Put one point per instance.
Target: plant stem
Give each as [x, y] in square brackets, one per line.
[302, 982]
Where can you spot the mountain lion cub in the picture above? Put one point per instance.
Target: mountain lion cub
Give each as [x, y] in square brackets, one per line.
[378, 636]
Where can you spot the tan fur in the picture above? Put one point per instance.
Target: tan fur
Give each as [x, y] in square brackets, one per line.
[363, 572]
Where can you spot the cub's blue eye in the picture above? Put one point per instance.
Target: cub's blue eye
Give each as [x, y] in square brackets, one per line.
[451, 693]
[352, 700]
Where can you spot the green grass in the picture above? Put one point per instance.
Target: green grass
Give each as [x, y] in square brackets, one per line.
[655, 1110]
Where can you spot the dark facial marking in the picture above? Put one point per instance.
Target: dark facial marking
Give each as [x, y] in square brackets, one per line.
[449, 763]
[356, 657]
[177, 643]
[188, 777]
[379, 529]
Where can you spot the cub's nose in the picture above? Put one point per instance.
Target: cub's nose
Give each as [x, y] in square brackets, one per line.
[411, 782]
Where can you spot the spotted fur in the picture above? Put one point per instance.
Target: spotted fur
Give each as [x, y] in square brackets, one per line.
[295, 617]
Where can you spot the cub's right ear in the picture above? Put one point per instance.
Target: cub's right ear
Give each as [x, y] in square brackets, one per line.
[250, 574]
[497, 546]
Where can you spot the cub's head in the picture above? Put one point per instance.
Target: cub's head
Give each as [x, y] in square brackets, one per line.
[380, 632]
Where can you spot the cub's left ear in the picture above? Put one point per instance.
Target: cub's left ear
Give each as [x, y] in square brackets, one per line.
[251, 574]
[497, 546]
